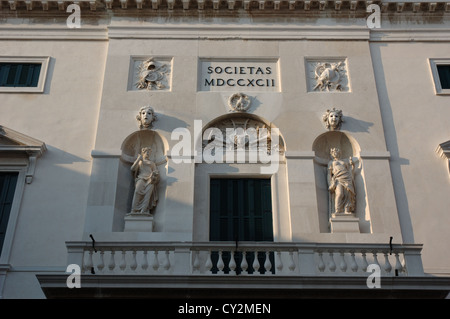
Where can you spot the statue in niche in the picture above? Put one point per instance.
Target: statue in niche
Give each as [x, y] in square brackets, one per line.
[146, 176]
[146, 117]
[333, 119]
[341, 184]
[151, 76]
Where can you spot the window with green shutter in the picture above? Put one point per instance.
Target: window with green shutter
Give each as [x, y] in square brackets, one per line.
[241, 210]
[7, 188]
[19, 74]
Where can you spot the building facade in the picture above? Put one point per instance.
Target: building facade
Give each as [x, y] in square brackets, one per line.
[224, 148]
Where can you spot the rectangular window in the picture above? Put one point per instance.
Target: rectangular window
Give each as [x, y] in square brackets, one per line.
[7, 188]
[440, 71]
[19, 74]
[23, 74]
[444, 75]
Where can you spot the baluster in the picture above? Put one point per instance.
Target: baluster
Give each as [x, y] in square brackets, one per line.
[112, 262]
[353, 264]
[343, 264]
[144, 265]
[101, 264]
[244, 264]
[278, 261]
[209, 263]
[365, 264]
[220, 263]
[291, 261]
[133, 264]
[331, 264]
[89, 264]
[375, 259]
[267, 264]
[166, 264]
[123, 262]
[387, 264]
[321, 264]
[196, 263]
[255, 264]
[155, 262]
[398, 264]
[232, 264]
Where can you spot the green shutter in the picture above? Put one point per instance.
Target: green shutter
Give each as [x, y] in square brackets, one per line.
[241, 210]
[19, 74]
[7, 188]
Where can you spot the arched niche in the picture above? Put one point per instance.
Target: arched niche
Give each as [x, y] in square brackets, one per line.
[249, 168]
[131, 147]
[349, 149]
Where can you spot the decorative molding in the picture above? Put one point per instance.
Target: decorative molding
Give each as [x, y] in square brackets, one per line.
[216, 5]
[53, 33]
[253, 31]
[443, 150]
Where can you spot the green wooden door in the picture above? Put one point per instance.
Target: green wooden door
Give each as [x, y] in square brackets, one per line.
[241, 210]
[7, 187]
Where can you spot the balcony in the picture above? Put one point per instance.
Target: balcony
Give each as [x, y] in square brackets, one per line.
[174, 269]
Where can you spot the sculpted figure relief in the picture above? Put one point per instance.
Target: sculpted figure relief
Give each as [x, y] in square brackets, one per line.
[333, 119]
[146, 176]
[328, 76]
[341, 183]
[146, 117]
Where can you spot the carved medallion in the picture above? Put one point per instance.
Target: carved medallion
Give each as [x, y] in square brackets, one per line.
[239, 102]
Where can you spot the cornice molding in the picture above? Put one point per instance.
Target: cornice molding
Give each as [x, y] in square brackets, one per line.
[229, 5]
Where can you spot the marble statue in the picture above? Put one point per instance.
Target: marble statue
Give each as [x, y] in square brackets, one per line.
[341, 184]
[146, 176]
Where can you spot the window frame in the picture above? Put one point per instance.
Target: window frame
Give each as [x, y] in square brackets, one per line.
[435, 75]
[44, 61]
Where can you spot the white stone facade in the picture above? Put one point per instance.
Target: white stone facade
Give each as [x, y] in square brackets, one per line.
[291, 62]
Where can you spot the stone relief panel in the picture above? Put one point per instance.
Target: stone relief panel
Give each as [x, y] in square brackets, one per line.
[150, 73]
[327, 75]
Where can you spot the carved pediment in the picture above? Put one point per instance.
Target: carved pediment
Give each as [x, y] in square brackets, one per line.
[13, 141]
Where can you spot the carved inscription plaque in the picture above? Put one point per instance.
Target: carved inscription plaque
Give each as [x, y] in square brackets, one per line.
[239, 75]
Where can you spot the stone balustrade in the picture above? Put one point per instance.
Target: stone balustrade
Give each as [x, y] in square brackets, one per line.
[229, 258]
